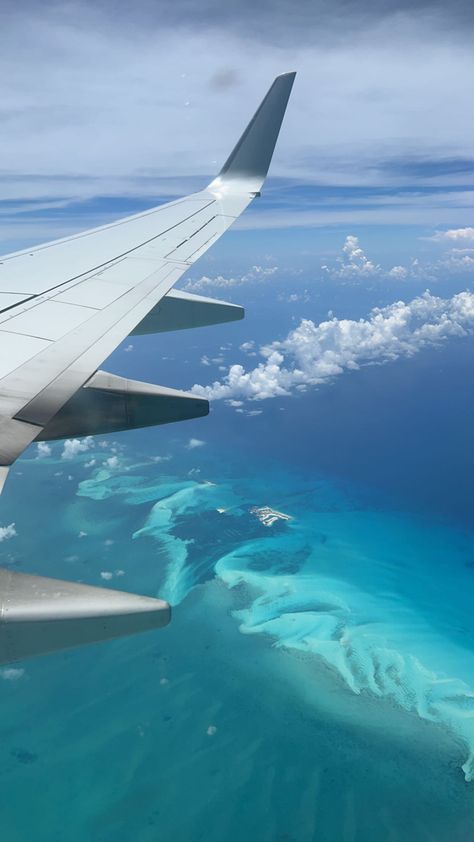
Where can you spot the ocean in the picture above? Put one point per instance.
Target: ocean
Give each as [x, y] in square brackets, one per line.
[317, 679]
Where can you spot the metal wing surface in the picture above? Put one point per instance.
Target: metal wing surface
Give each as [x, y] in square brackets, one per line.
[64, 307]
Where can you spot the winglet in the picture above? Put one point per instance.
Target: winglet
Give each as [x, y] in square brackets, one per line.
[248, 163]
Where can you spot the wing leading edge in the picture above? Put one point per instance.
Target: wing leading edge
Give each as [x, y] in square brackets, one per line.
[66, 305]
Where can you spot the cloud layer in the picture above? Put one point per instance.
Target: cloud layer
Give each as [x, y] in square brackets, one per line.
[313, 354]
[102, 102]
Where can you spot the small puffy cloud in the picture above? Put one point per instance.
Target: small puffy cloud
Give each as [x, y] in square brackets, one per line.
[313, 354]
[73, 447]
[455, 235]
[112, 462]
[12, 673]
[398, 272]
[161, 458]
[247, 346]
[82, 534]
[7, 532]
[107, 575]
[128, 348]
[194, 443]
[211, 730]
[43, 450]
[353, 263]
[90, 463]
[256, 273]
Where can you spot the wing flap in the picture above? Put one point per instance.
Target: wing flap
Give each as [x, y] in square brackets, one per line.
[180, 310]
[39, 615]
[109, 404]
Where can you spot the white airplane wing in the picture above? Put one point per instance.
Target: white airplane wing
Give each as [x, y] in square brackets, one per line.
[66, 305]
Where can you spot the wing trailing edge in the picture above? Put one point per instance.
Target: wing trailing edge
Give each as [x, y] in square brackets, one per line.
[40, 615]
[108, 403]
[180, 310]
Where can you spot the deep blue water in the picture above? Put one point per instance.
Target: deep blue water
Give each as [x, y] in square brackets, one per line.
[317, 679]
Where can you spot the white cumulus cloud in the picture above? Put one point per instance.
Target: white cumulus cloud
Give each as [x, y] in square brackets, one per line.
[7, 532]
[73, 447]
[256, 273]
[455, 235]
[43, 450]
[12, 673]
[112, 462]
[312, 353]
[194, 443]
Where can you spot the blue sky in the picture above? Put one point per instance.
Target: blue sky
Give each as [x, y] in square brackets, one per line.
[110, 110]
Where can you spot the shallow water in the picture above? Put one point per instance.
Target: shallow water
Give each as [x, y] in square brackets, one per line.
[316, 682]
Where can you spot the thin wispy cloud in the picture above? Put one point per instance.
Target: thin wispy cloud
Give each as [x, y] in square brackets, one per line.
[363, 101]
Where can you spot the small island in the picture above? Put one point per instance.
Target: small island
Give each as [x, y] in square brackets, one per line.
[268, 516]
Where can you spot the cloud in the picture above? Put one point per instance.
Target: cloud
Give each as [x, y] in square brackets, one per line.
[7, 532]
[161, 458]
[73, 447]
[194, 443]
[313, 354]
[43, 450]
[107, 575]
[354, 265]
[357, 262]
[112, 462]
[455, 235]
[400, 273]
[256, 273]
[384, 113]
[12, 673]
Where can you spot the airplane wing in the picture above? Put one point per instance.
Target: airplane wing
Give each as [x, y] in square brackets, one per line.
[66, 305]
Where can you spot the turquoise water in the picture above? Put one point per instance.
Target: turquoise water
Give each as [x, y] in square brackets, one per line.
[316, 682]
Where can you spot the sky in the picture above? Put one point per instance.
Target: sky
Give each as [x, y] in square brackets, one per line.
[110, 105]
[112, 108]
